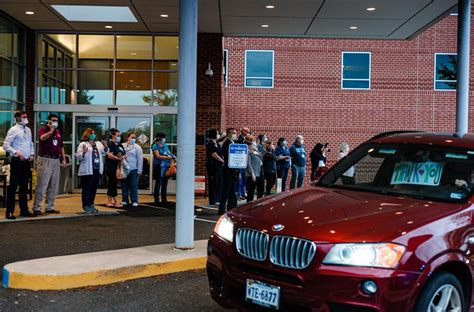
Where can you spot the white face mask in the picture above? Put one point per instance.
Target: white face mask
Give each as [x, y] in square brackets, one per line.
[233, 137]
[301, 141]
[285, 143]
[218, 137]
[118, 139]
[54, 124]
[24, 121]
[163, 140]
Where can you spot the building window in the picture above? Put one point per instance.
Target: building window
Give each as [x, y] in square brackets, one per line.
[355, 70]
[259, 69]
[445, 71]
[225, 70]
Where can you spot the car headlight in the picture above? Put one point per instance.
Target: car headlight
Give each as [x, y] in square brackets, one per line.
[225, 228]
[378, 255]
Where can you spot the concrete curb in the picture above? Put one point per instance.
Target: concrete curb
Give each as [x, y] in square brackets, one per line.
[102, 268]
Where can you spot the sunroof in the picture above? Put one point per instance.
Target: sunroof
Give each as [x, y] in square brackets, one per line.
[95, 13]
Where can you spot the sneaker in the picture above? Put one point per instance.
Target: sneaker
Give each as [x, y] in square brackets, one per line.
[38, 213]
[52, 211]
[135, 204]
[124, 204]
[10, 216]
[95, 209]
[89, 209]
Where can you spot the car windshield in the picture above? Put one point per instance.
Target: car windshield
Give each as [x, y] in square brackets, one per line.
[421, 171]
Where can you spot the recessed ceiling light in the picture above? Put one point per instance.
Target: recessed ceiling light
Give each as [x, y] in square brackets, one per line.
[270, 6]
[122, 72]
[29, 12]
[265, 26]
[164, 15]
[131, 80]
[370, 9]
[133, 53]
[353, 27]
[108, 27]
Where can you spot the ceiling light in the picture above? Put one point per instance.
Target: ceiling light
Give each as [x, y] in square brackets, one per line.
[29, 12]
[108, 27]
[353, 27]
[164, 15]
[133, 53]
[265, 26]
[270, 6]
[370, 9]
[131, 80]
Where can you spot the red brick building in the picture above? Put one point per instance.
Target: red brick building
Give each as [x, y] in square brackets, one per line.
[307, 97]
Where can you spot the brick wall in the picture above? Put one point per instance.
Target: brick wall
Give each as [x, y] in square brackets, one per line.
[208, 111]
[307, 98]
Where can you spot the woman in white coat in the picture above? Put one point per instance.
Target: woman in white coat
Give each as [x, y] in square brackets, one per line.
[91, 166]
[135, 166]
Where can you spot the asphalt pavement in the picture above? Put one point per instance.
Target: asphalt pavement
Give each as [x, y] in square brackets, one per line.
[187, 291]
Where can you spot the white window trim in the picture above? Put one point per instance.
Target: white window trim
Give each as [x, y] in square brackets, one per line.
[273, 71]
[226, 72]
[434, 74]
[354, 79]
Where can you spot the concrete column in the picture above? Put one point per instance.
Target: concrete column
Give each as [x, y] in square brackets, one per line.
[462, 91]
[188, 11]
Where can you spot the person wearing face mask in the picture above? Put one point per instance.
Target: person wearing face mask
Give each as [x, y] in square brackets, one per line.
[18, 143]
[90, 154]
[135, 162]
[51, 157]
[298, 167]
[214, 163]
[161, 162]
[115, 154]
[254, 170]
[284, 161]
[269, 166]
[230, 177]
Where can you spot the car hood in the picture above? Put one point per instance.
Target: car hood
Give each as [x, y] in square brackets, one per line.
[329, 215]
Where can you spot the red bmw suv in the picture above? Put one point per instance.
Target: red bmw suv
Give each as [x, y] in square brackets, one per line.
[397, 236]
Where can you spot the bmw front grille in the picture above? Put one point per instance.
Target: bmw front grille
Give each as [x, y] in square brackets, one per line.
[252, 244]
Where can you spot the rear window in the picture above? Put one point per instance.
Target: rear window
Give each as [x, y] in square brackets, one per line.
[415, 170]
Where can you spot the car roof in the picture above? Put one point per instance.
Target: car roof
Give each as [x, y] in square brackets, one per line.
[430, 138]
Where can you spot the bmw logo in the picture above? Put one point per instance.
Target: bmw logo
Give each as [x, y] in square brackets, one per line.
[278, 227]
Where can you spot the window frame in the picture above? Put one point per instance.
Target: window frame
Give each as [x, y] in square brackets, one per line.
[226, 67]
[354, 79]
[273, 71]
[444, 81]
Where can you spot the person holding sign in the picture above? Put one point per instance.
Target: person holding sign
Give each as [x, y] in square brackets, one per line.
[230, 177]
[254, 170]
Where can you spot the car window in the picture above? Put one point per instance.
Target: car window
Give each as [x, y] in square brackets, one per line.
[415, 170]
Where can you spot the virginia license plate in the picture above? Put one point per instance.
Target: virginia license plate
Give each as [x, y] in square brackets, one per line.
[263, 294]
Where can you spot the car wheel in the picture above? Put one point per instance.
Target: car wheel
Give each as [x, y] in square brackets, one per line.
[442, 293]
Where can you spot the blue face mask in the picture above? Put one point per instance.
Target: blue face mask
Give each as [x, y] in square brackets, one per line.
[132, 141]
[92, 137]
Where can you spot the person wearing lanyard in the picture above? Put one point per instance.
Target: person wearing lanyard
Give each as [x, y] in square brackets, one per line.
[18, 143]
[161, 161]
[91, 166]
[50, 158]
[134, 155]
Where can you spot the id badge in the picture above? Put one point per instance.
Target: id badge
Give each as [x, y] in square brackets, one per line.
[96, 160]
[55, 142]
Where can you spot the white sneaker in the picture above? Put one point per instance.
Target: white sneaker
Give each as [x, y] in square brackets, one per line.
[124, 203]
[135, 204]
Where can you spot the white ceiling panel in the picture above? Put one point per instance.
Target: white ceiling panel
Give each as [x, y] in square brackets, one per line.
[283, 8]
[279, 26]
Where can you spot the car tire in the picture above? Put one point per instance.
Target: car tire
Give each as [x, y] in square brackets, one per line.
[441, 285]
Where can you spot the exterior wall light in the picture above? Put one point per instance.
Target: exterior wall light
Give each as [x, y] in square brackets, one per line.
[209, 71]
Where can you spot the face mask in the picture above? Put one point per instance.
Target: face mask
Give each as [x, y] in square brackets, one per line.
[118, 139]
[301, 142]
[24, 121]
[265, 139]
[163, 140]
[285, 143]
[254, 143]
[54, 124]
[92, 136]
[218, 137]
[132, 141]
[233, 137]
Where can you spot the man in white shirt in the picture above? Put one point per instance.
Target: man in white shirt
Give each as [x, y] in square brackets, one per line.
[19, 145]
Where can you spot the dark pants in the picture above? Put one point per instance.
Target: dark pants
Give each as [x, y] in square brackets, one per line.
[270, 179]
[230, 181]
[214, 175]
[19, 175]
[283, 175]
[161, 184]
[112, 183]
[258, 184]
[90, 183]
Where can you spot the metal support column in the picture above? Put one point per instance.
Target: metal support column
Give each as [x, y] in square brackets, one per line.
[188, 16]
[462, 91]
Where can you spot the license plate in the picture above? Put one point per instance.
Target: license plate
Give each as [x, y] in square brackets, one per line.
[263, 294]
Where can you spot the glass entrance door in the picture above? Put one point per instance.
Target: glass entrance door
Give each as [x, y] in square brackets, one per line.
[102, 123]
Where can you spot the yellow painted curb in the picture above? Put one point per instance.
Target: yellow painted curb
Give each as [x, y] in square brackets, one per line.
[104, 277]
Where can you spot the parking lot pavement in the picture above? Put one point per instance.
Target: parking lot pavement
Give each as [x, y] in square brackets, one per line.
[187, 291]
